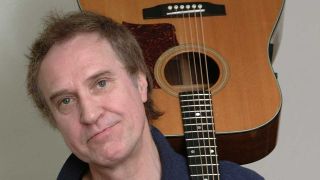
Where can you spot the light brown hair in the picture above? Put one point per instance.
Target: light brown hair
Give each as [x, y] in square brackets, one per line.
[62, 28]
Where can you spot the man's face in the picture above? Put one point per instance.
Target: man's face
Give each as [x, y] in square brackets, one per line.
[97, 106]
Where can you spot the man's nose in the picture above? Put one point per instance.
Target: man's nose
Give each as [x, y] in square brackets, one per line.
[90, 110]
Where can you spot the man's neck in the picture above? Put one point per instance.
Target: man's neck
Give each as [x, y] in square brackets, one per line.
[143, 164]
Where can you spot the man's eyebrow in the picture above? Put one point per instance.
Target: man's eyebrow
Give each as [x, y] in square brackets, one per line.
[91, 78]
[59, 93]
[98, 74]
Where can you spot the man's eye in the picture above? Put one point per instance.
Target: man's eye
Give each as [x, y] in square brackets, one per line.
[66, 105]
[66, 101]
[102, 83]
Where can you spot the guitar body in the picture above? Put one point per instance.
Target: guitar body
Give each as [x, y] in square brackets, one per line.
[246, 96]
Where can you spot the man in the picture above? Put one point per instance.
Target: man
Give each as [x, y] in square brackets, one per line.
[88, 78]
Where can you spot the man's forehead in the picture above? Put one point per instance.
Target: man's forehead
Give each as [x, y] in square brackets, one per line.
[86, 53]
[81, 45]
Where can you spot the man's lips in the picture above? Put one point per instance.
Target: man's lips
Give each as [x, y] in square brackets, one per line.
[100, 132]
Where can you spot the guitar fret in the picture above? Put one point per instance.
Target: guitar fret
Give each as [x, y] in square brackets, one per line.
[214, 174]
[197, 124]
[209, 159]
[187, 95]
[203, 159]
[197, 147]
[188, 100]
[199, 135]
[207, 116]
[203, 164]
[197, 116]
[200, 117]
[196, 156]
[196, 127]
[196, 105]
[194, 139]
[197, 111]
[199, 150]
[201, 171]
[201, 144]
[194, 94]
[205, 131]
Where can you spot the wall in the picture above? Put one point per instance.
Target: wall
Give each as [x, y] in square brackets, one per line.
[30, 149]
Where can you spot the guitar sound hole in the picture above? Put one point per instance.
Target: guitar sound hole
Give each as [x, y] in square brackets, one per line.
[192, 70]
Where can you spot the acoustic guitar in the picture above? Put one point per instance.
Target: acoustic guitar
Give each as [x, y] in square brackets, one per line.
[214, 80]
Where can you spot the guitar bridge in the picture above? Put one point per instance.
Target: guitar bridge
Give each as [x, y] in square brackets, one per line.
[177, 10]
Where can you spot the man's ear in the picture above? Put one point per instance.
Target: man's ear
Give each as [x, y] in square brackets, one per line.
[142, 86]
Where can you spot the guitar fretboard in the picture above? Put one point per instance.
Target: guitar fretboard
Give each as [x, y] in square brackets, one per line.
[197, 116]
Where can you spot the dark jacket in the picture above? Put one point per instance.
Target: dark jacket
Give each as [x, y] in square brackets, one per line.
[174, 165]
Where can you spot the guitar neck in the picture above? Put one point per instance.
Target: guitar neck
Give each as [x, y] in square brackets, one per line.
[197, 116]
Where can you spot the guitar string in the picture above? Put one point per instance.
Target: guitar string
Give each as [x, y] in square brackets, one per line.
[216, 165]
[191, 108]
[210, 116]
[184, 39]
[204, 96]
[193, 87]
[201, 101]
[197, 90]
[208, 89]
[188, 102]
[175, 40]
[183, 81]
[202, 82]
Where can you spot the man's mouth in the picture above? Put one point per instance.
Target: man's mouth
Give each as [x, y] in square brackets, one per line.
[102, 132]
